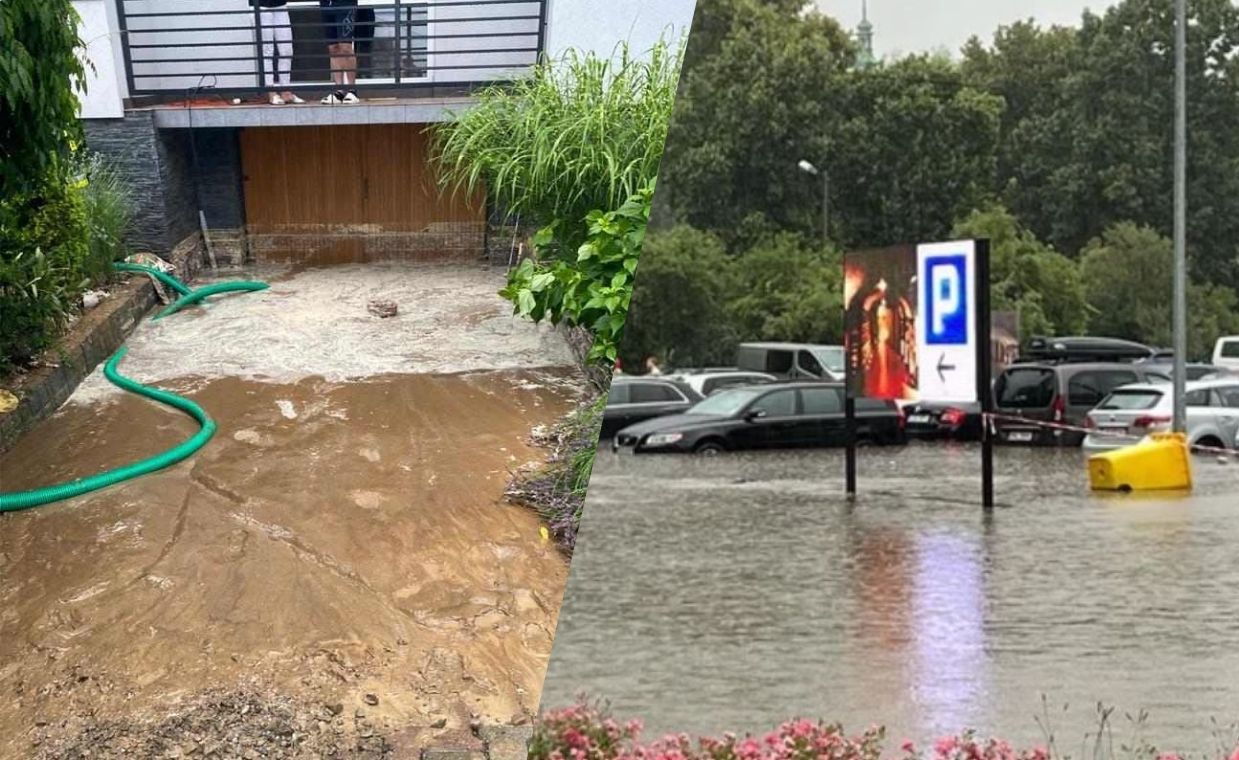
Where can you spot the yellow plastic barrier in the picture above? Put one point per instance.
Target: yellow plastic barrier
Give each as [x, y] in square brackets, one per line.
[1160, 462]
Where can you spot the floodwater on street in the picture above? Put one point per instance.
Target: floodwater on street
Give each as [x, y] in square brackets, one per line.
[732, 593]
[342, 537]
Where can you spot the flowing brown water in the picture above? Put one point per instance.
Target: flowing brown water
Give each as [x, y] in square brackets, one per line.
[337, 538]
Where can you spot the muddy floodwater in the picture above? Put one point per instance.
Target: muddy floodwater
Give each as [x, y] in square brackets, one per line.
[342, 539]
[731, 593]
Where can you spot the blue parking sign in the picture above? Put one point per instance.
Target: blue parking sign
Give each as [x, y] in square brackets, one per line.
[946, 300]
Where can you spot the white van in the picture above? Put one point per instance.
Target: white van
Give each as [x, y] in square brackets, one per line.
[1226, 352]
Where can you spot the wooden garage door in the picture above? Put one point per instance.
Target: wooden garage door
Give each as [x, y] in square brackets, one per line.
[345, 175]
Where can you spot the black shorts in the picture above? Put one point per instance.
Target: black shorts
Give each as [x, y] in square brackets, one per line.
[340, 16]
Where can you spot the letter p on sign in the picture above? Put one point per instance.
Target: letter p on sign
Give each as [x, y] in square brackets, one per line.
[946, 300]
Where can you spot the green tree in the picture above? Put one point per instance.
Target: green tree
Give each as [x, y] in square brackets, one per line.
[39, 75]
[754, 99]
[915, 149]
[789, 290]
[678, 310]
[1127, 278]
[1028, 277]
[1088, 132]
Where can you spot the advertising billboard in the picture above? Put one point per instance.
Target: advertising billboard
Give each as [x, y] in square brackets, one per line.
[910, 322]
[879, 323]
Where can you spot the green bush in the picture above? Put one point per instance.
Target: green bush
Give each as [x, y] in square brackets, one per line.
[54, 245]
[592, 289]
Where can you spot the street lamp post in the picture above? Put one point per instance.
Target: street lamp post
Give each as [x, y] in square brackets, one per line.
[809, 168]
[1180, 217]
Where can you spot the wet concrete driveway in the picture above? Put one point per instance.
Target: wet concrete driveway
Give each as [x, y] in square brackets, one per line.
[342, 538]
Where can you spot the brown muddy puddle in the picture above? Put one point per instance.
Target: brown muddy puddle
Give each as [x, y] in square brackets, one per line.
[334, 540]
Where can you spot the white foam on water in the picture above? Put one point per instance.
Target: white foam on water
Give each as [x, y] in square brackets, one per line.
[315, 323]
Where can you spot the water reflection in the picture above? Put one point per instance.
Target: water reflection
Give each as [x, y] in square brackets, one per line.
[730, 594]
[949, 673]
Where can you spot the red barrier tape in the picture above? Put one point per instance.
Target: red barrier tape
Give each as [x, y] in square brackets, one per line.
[1094, 431]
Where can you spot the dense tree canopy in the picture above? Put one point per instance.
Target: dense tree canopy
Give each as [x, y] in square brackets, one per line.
[1087, 133]
[1056, 143]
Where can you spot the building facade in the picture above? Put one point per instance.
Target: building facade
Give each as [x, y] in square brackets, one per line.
[177, 100]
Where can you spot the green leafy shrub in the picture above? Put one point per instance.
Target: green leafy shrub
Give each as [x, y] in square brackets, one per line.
[39, 72]
[54, 245]
[592, 290]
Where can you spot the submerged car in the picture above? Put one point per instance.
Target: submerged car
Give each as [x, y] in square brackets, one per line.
[1027, 396]
[940, 419]
[1133, 411]
[782, 415]
[709, 382]
[793, 361]
[635, 398]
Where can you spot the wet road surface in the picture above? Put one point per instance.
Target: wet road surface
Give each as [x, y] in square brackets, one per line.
[343, 534]
[731, 593]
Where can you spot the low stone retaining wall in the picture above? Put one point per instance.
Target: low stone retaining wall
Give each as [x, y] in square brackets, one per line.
[89, 341]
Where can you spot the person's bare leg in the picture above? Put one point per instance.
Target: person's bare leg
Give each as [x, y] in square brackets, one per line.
[339, 53]
[349, 57]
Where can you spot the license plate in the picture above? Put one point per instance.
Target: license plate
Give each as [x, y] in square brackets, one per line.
[1020, 436]
[918, 419]
[1112, 429]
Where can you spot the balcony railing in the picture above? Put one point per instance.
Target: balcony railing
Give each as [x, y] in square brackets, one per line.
[175, 47]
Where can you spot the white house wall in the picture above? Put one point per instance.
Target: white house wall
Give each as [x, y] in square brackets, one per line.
[599, 26]
[518, 25]
[105, 72]
[230, 22]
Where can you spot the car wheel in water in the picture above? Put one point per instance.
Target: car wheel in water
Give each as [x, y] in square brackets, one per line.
[709, 448]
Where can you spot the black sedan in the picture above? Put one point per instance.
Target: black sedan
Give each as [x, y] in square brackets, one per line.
[636, 398]
[957, 422]
[782, 415]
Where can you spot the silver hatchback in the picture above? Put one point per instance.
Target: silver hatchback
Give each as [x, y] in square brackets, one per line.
[1133, 411]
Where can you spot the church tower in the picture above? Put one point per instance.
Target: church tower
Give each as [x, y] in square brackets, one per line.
[864, 36]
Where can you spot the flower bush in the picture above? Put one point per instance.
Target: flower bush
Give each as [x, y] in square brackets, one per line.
[587, 731]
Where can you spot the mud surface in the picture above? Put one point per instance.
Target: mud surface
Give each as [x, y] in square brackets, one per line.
[340, 547]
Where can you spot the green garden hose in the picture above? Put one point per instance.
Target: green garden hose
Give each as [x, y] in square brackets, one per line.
[164, 277]
[210, 290]
[18, 500]
[12, 502]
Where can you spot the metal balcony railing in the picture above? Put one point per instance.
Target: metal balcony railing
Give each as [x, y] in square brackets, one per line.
[179, 46]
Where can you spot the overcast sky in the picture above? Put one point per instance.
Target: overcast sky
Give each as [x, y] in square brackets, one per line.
[915, 26]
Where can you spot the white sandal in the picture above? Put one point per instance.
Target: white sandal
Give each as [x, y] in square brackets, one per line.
[275, 99]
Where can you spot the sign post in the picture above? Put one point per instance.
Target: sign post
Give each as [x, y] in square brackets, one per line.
[985, 365]
[917, 326]
[849, 466]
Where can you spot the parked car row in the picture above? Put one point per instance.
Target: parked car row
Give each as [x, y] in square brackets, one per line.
[1114, 390]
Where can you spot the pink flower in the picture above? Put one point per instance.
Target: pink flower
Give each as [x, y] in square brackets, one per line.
[946, 745]
[1235, 755]
[908, 747]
